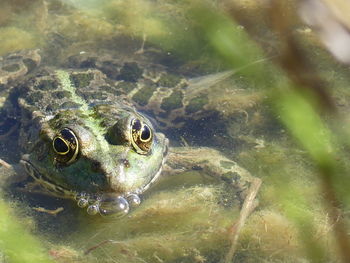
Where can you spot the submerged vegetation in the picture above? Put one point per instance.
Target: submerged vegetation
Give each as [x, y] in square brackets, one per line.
[285, 105]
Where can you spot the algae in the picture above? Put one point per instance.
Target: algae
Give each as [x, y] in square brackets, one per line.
[264, 112]
[13, 38]
[163, 225]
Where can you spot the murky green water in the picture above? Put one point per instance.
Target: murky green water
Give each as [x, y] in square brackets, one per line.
[189, 217]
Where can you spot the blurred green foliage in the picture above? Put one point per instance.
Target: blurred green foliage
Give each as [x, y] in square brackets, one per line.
[17, 245]
[299, 112]
[293, 164]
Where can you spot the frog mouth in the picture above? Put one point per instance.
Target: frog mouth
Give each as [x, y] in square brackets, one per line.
[104, 204]
[43, 180]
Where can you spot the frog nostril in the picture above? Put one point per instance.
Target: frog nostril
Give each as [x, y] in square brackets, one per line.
[125, 162]
[96, 167]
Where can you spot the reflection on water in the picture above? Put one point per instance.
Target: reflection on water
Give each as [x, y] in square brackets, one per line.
[188, 217]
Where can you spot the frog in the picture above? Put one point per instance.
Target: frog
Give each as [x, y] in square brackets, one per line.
[84, 130]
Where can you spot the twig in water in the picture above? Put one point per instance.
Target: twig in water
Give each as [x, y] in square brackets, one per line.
[247, 208]
[48, 211]
[5, 164]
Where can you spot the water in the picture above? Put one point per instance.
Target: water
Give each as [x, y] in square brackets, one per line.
[189, 217]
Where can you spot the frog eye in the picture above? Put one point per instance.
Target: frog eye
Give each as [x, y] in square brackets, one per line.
[141, 136]
[66, 146]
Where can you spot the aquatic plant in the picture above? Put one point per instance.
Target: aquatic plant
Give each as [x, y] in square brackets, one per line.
[282, 125]
[17, 244]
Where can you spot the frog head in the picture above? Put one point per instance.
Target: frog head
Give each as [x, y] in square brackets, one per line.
[103, 156]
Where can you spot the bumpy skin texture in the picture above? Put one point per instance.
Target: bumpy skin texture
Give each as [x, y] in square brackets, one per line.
[82, 101]
[103, 164]
[171, 99]
[95, 101]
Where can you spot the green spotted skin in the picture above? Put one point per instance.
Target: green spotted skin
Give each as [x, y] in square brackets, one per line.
[48, 100]
[83, 133]
[96, 98]
[170, 98]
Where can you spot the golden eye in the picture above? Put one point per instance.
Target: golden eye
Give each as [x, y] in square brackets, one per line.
[141, 136]
[66, 146]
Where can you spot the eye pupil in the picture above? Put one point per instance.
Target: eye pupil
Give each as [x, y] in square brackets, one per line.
[60, 145]
[146, 133]
[66, 147]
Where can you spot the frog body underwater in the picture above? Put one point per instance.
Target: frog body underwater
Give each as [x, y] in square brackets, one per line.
[82, 137]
